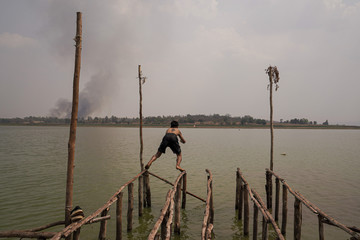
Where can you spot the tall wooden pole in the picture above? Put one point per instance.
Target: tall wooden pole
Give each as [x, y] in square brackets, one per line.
[141, 119]
[273, 78]
[73, 124]
[271, 126]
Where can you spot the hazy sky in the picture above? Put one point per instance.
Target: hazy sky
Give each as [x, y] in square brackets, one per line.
[199, 57]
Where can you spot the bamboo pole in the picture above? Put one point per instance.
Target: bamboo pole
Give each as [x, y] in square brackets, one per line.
[119, 216]
[130, 207]
[102, 232]
[73, 124]
[297, 219]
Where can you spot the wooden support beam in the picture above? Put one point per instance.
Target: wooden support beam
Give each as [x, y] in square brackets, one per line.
[166, 181]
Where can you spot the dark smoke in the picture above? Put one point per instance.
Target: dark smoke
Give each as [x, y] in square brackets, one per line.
[92, 98]
[62, 109]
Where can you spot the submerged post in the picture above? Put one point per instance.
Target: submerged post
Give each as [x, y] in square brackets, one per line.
[130, 206]
[183, 205]
[102, 232]
[119, 216]
[73, 124]
[177, 208]
[297, 219]
[140, 195]
[246, 210]
[277, 198]
[284, 211]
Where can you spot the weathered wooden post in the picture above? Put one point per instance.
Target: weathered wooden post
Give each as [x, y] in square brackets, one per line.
[246, 210]
[268, 188]
[102, 232]
[211, 218]
[321, 228]
[119, 216]
[73, 124]
[177, 208]
[183, 205]
[297, 219]
[237, 194]
[130, 206]
[140, 195]
[277, 198]
[255, 222]
[76, 235]
[241, 200]
[264, 235]
[284, 210]
[147, 192]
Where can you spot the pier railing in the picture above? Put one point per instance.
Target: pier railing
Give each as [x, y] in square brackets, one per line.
[170, 213]
[116, 198]
[299, 201]
[243, 192]
[167, 213]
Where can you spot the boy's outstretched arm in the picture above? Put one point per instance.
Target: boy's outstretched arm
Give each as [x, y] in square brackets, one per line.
[182, 139]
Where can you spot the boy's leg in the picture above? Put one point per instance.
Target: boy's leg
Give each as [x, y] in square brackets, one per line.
[153, 158]
[178, 161]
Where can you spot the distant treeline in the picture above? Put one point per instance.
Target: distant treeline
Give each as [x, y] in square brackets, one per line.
[197, 120]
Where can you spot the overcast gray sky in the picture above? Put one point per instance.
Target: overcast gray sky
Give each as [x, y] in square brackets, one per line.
[199, 56]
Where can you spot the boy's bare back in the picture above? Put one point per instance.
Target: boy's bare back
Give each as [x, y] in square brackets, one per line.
[177, 132]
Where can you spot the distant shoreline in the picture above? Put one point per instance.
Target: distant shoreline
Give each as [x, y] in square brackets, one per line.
[276, 126]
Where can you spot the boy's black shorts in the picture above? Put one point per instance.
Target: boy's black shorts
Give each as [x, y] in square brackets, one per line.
[170, 140]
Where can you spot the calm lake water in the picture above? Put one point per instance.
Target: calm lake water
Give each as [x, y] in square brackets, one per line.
[322, 164]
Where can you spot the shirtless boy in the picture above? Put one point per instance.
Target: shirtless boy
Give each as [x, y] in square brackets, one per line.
[170, 140]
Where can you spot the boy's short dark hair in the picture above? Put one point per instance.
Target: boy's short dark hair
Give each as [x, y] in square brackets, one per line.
[174, 124]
